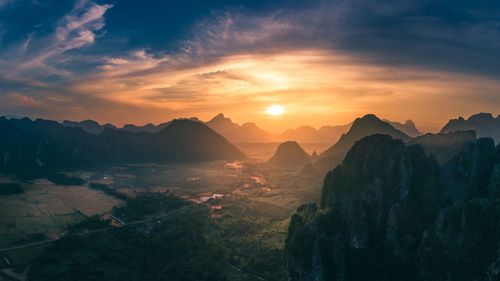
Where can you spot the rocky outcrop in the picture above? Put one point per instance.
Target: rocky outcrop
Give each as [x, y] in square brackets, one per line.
[392, 212]
[463, 244]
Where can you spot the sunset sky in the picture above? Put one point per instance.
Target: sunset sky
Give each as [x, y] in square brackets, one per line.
[324, 62]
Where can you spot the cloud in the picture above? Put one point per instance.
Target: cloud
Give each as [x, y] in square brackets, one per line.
[460, 37]
[39, 57]
[330, 59]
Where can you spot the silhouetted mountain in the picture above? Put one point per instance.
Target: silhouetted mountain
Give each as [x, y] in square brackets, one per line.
[361, 127]
[308, 134]
[289, 155]
[390, 212]
[89, 126]
[408, 127]
[47, 145]
[248, 132]
[484, 124]
[151, 128]
[148, 128]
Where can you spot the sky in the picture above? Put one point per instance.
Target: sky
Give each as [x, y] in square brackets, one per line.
[325, 62]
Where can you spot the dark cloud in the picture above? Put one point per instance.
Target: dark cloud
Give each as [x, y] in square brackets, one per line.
[457, 36]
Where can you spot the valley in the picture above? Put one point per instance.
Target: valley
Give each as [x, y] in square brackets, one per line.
[252, 216]
[248, 206]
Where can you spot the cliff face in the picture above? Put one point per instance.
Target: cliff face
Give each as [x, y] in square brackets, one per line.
[391, 212]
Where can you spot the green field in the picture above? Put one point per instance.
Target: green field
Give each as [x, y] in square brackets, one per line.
[43, 212]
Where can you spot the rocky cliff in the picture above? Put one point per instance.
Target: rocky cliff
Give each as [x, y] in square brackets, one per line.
[392, 212]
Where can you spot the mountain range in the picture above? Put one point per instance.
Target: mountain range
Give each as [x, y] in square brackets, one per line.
[43, 145]
[485, 125]
[249, 132]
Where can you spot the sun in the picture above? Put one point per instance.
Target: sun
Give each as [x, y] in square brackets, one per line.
[275, 110]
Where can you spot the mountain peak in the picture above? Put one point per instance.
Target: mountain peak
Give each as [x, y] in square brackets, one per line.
[410, 122]
[219, 117]
[289, 155]
[371, 123]
[364, 126]
[482, 116]
[368, 118]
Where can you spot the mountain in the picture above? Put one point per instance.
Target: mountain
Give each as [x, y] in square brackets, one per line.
[90, 126]
[246, 133]
[484, 124]
[148, 128]
[397, 214]
[40, 145]
[361, 127]
[151, 128]
[289, 155]
[308, 134]
[408, 127]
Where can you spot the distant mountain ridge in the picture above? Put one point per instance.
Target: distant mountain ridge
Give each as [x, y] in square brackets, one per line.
[89, 126]
[95, 128]
[248, 132]
[28, 145]
[408, 127]
[484, 124]
[306, 134]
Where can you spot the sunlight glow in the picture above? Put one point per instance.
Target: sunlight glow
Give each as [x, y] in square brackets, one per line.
[275, 110]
